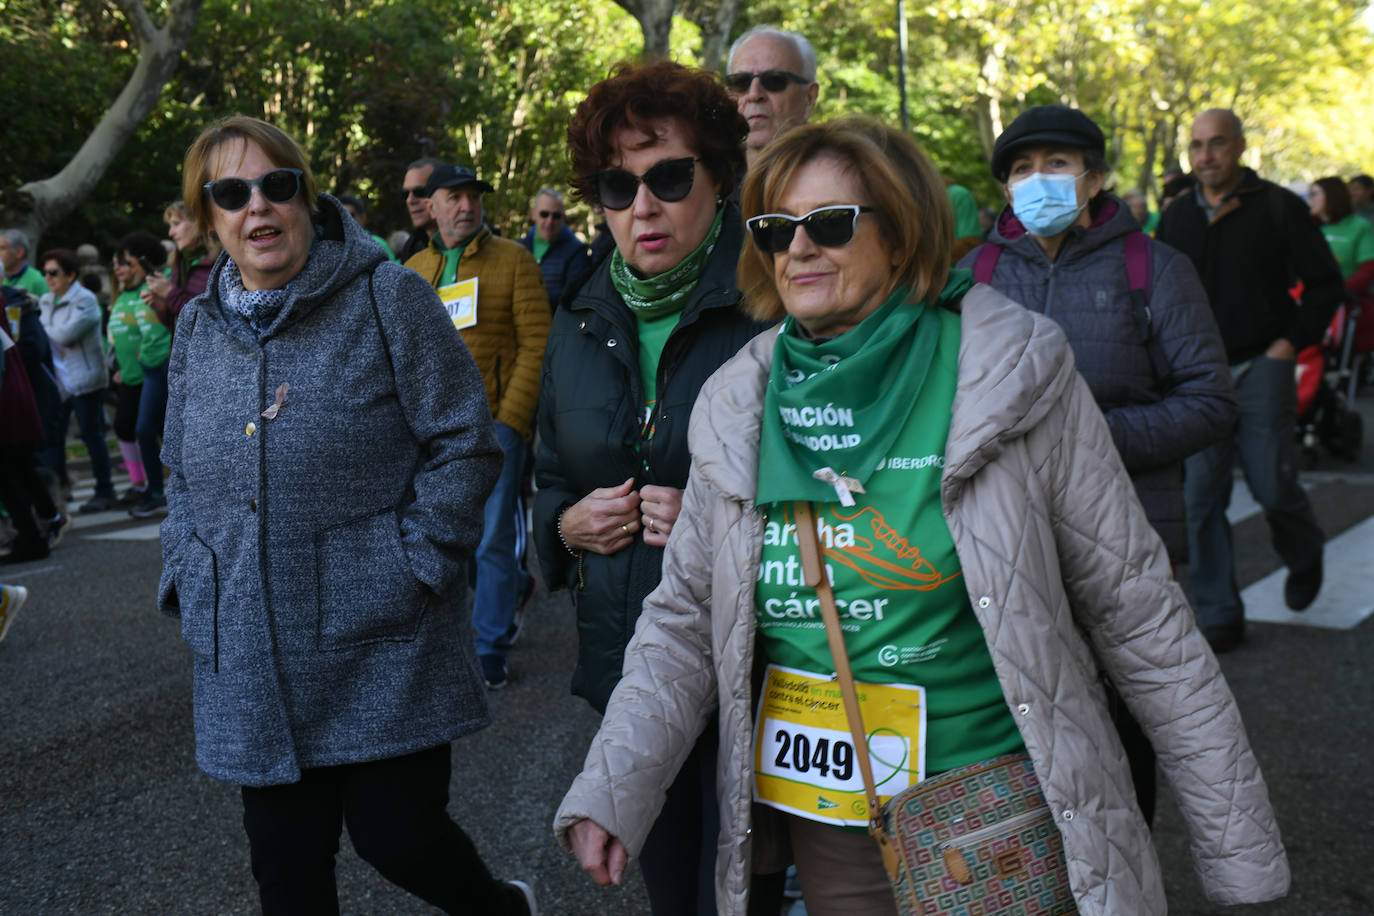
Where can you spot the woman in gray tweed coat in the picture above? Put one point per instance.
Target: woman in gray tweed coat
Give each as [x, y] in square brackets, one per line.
[330, 450]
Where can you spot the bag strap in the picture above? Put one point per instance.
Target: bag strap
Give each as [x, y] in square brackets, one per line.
[1139, 254]
[987, 262]
[813, 573]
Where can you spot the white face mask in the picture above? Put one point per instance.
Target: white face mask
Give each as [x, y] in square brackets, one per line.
[1046, 204]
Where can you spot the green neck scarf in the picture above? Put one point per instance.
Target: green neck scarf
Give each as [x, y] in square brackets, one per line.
[840, 403]
[654, 297]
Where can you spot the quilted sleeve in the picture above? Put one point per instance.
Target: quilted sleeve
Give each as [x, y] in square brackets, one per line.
[663, 700]
[1119, 583]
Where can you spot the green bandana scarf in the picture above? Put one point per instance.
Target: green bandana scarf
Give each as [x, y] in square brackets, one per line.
[654, 297]
[839, 404]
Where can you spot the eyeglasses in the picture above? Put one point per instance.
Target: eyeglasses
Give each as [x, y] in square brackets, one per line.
[52, 273]
[772, 80]
[829, 227]
[278, 186]
[558, 214]
[669, 181]
[414, 192]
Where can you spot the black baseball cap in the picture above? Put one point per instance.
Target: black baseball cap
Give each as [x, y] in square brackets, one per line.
[1045, 125]
[453, 176]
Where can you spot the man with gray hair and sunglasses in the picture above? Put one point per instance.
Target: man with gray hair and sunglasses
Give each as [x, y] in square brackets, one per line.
[771, 73]
[562, 256]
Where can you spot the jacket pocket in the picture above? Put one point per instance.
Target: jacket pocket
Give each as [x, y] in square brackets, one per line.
[197, 585]
[367, 591]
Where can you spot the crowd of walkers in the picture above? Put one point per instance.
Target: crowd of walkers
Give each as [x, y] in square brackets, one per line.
[792, 376]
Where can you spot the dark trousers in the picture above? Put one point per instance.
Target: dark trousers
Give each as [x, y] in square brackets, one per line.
[126, 412]
[152, 413]
[1265, 442]
[679, 856]
[90, 420]
[23, 493]
[397, 817]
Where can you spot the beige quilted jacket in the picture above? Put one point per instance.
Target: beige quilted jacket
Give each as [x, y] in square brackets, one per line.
[1067, 579]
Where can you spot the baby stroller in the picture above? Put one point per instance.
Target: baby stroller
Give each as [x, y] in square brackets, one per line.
[1327, 377]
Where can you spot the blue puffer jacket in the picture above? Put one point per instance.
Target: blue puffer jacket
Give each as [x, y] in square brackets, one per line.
[1155, 423]
[317, 560]
[565, 261]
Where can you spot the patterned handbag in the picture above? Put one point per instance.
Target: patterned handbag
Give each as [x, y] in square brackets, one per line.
[979, 839]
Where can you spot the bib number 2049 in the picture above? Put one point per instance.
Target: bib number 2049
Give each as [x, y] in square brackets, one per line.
[825, 756]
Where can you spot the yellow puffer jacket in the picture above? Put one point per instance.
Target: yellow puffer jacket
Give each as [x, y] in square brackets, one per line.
[507, 342]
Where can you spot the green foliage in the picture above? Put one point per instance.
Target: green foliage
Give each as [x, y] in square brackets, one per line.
[369, 85]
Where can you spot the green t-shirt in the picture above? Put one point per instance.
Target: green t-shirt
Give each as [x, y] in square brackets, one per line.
[541, 247]
[125, 333]
[452, 257]
[1351, 241]
[966, 222]
[899, 587]
[653, 337]
[31, 280]
[155, 340]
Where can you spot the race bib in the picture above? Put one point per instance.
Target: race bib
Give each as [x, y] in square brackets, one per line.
[460, 299]
[804, 758]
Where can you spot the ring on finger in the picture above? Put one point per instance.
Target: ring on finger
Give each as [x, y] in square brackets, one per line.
[651, 526]
[625, 528]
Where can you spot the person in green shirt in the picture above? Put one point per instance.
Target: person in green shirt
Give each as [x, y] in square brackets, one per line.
[124, 338]
[14, 256]
[139, 253]
[357, 208]
[1350, 237]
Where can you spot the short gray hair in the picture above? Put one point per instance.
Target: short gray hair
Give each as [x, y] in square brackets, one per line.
[547, 191]
[17, 239]
[802, 46]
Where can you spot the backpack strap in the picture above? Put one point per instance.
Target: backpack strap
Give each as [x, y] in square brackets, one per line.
[1140, 276]
[987, 262]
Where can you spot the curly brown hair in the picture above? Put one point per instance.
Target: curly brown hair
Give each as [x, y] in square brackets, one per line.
[636, 95]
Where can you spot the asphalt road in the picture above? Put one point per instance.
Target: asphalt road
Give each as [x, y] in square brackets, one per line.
[102, 809]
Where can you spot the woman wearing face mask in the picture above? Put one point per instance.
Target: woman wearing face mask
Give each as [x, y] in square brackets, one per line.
[1133, 309]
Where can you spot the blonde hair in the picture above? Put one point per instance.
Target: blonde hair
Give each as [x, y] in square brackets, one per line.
[276, 144]
[906, 192]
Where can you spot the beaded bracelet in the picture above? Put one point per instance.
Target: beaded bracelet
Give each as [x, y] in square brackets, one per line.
[558, 524]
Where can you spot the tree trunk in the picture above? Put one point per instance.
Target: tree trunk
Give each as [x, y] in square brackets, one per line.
[38, 205]
[655, 19]
[717, 35]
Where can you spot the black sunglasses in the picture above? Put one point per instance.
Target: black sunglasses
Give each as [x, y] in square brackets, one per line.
[669, 181]
[829, 227]
[414, 192]
[52, 273]
[773, 80]
[278, 186]
[545, 214]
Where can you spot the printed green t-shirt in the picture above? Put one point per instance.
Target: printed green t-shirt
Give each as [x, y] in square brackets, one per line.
[124, 331]
[898, 584]
[155, 340]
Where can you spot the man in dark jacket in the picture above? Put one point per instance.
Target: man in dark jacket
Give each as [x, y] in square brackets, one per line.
[417, 205]
[562, 256]
[1250, 239]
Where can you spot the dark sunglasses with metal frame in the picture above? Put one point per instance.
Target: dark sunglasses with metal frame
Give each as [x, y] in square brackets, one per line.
[829, 227]
[545, 214]
[670, 180]
[773, 80]
[278, 186]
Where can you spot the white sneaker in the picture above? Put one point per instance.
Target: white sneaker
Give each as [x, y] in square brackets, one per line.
[12, 598]
[529, 895]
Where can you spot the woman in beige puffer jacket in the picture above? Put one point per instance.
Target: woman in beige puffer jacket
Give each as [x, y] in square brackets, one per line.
[1066, 579]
